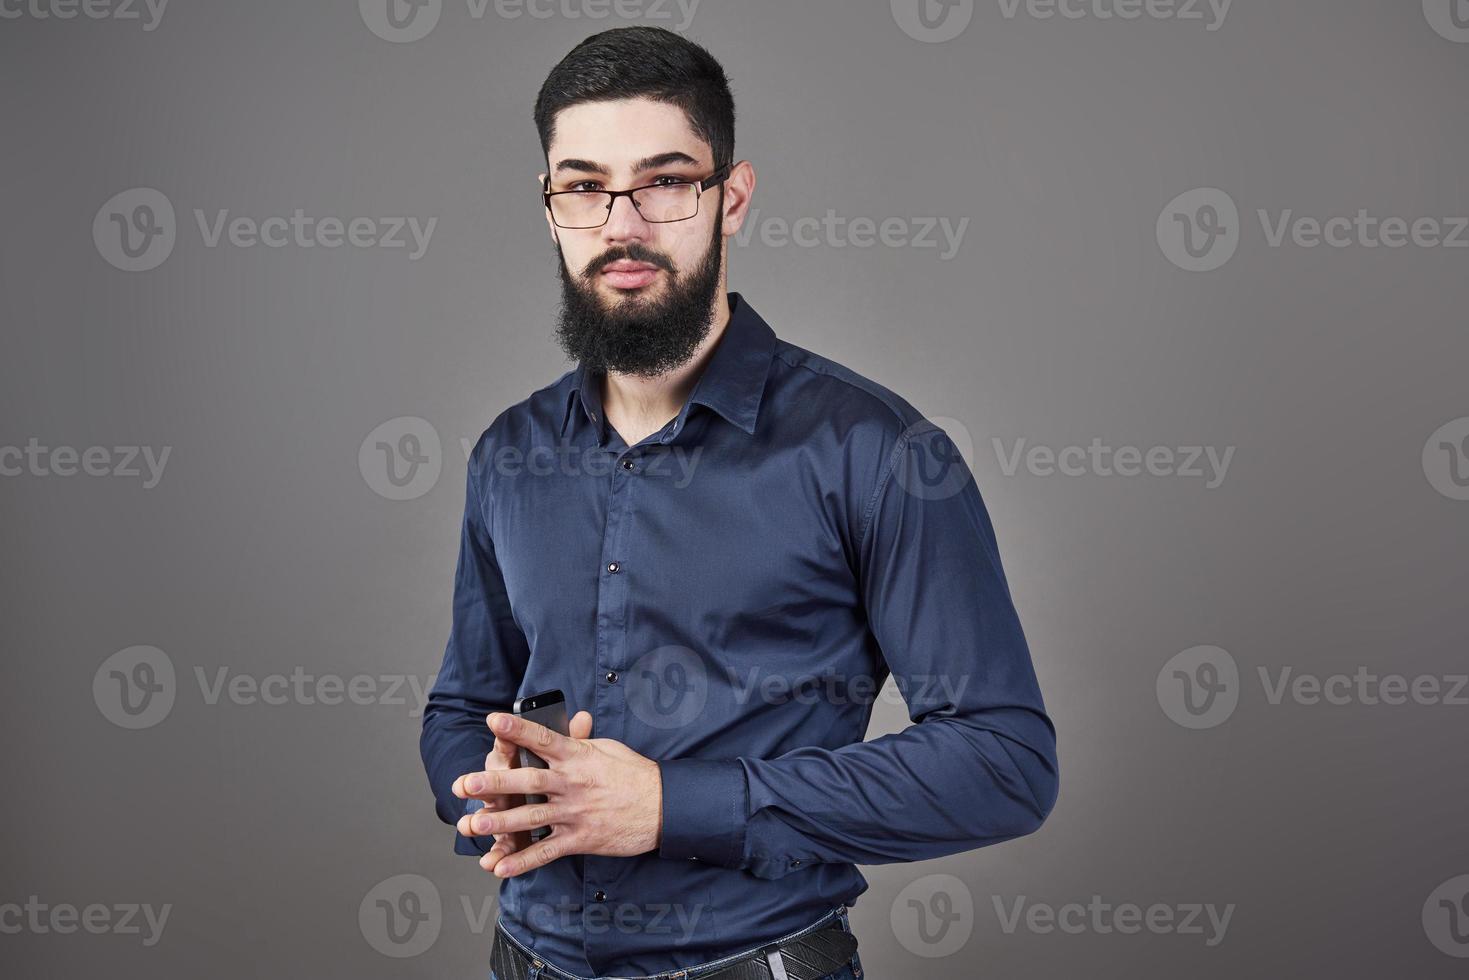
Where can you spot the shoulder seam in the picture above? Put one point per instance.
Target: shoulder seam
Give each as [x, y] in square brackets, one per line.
[786, 348]
[900, 447]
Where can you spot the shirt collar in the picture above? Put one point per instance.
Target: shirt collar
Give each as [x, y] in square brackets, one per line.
[732, 383]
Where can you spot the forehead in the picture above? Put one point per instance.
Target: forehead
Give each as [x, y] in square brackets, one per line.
[619, 133]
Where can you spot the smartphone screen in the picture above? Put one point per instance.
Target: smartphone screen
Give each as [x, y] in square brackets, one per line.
[549, 709]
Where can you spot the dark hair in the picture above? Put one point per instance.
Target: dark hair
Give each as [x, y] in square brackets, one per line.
[651, 62]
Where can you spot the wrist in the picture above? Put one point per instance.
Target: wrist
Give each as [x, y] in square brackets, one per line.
[656, 787]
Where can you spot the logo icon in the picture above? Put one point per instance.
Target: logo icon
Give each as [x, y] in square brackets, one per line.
[933, 21]
[939, 453]
[135, 230]
[1446, 459]
[1199, 688]
[668, 687]
[1446, 917]
[401, 458]
[933, 916]
[135, 688]
[401, 916]
[1199, 229]
[400, 21]
[1450, 18]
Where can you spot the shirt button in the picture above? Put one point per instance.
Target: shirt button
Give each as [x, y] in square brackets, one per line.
[611, 677]
[600, 896]
[627, 464]
[614, 567]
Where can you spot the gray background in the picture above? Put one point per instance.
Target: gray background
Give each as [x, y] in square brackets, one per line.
[266, 548]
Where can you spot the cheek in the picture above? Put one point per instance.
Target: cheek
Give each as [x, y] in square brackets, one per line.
[577, 255]
[687, 250]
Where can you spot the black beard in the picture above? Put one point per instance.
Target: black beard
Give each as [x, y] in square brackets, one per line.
[639, 337]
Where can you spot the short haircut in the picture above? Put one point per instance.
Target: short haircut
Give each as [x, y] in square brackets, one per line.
[647, 62]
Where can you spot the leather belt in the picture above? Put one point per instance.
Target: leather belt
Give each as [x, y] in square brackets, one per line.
[807, 956]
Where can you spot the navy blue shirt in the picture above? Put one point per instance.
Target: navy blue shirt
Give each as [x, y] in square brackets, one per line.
[726, 598]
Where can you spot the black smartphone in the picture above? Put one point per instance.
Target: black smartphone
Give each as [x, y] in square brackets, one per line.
[547, 708]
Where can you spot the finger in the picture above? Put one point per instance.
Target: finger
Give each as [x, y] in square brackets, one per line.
[462, 786]
[581, 725]
[465, 826]
[527, 817]
[494, 783]
[539, 739]
[502, 848]
[504, 755]
[530, 858]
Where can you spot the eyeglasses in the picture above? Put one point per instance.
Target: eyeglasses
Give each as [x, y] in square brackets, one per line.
[658, 203]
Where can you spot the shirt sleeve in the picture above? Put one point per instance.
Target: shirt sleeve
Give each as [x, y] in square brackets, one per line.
[483, 663]
[977, 766]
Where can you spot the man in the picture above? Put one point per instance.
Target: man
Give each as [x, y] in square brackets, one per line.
[718, 545]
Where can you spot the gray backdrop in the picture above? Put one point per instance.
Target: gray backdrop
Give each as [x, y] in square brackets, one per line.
[1224, 439]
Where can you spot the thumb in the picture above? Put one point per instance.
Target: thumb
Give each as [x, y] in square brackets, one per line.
[580, 725]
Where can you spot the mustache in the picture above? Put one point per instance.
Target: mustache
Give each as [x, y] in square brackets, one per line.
[633, 253]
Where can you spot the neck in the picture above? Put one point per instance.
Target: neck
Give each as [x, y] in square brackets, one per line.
[648, 403]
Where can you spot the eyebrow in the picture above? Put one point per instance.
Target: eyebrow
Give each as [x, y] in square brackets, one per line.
[647, 163]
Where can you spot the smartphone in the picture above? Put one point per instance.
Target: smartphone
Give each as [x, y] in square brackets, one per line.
[547, 708]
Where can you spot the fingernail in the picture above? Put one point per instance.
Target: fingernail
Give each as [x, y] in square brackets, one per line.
[474, 784]
[501, 723]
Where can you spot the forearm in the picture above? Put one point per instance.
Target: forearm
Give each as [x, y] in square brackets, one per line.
[937, 788]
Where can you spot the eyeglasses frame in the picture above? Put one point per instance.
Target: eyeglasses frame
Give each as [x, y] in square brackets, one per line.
[717, 177]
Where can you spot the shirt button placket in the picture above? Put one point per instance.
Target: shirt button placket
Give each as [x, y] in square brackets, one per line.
[609, 703]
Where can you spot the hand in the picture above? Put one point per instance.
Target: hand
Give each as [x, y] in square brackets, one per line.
[601, 796]
[506, 755]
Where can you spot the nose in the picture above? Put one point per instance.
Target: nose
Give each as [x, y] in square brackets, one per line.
[625, 222]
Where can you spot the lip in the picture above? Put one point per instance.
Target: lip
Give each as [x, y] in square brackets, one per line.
[624, 274]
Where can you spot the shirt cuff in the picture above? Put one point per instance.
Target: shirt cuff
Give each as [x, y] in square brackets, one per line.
[704, 805]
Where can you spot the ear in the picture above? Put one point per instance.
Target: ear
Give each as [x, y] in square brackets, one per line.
[739, 188]
[551, 225]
